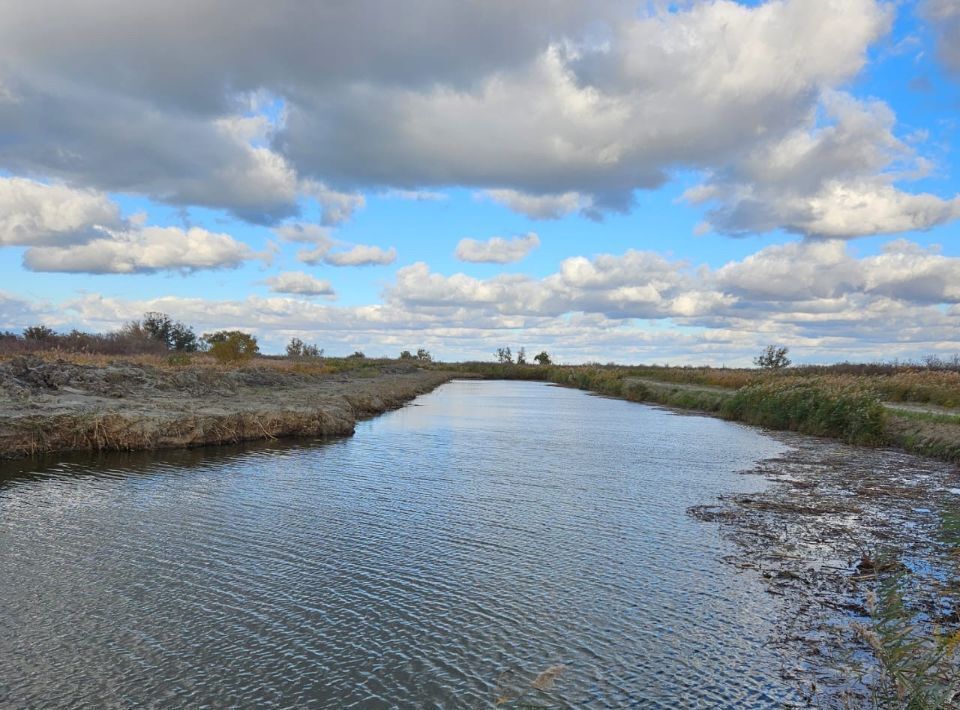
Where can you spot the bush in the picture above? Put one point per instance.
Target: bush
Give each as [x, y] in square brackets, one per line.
[299, 350]
[173, 334]
[38, 332]
[231, 346]
[424, 355]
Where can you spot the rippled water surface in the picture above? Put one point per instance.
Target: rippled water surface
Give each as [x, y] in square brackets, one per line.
[443, 556]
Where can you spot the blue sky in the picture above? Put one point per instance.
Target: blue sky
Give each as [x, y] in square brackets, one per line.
[677, 182]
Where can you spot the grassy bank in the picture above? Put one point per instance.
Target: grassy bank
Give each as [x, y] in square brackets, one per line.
[146, 402]
[845, 402]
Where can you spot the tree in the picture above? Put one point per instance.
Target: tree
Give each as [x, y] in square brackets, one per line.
[173, 334]
[406, 355]
[299, 350]
[38, 332]
[522, 356]
[542, 358]
[424, 355]
[773, 357]
[504, 356]
[229, 346]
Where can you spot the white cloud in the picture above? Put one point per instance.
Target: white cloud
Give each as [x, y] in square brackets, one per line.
[81, 231]
[338, 207]
[322, 241]
[17, 313]
[823, 271]
[551, 107]
[361, 255]
[416, 195]
[497, 250]
[833, 181]
[457, 316]
[540, 206]
[142, 250]
[299, 283]
[32, 213]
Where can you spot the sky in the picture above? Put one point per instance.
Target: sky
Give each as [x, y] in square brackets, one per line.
[630, 181]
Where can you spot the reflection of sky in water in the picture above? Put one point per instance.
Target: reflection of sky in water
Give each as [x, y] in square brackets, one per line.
[489, 528]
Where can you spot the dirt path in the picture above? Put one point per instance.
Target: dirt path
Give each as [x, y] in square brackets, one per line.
[59, 406]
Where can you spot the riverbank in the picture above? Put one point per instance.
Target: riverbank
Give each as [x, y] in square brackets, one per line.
[913, 409]
[49, 405]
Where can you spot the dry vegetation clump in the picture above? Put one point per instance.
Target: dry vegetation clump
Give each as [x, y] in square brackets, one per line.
[938, 387]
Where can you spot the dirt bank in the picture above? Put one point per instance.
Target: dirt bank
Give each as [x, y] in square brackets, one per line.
[48, 406]
[836, 525]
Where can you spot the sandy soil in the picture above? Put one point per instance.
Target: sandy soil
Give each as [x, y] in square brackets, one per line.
[61, 406]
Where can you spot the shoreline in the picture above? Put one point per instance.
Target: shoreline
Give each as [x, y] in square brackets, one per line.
[834, 526]
[50, 407]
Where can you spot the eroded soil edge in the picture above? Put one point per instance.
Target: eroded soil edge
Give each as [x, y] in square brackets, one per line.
[61, 406]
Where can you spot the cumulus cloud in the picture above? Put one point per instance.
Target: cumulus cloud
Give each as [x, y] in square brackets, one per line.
[416, 195]
[142, 250]
[338, 207]
[322, 243]
[361, 255]
[497, 250]
[32, 213]
[299, 283]
[82, 231]
[814, 290]
[552, 107]
[833, 181]
[831, 304]
[540, 206]
[632, 285]
[94, 137]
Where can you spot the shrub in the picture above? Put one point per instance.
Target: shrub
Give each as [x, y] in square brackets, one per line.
[424, 355]
[231, 346]
[299, 350]
[39, 332]
[543, 358]
[173, 334]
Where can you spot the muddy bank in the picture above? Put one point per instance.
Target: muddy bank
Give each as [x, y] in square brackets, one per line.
[837, 526]
[60, 406]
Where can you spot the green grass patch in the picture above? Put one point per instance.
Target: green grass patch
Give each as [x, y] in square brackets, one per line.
[852, 415]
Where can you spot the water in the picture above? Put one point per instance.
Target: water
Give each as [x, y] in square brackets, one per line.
[444, 556]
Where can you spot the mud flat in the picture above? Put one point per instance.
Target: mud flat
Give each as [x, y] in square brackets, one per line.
[48, 406]
[839, 525]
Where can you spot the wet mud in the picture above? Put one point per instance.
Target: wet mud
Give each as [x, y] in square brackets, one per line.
[836, 523]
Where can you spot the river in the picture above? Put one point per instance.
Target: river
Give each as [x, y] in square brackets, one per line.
[445, 556]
